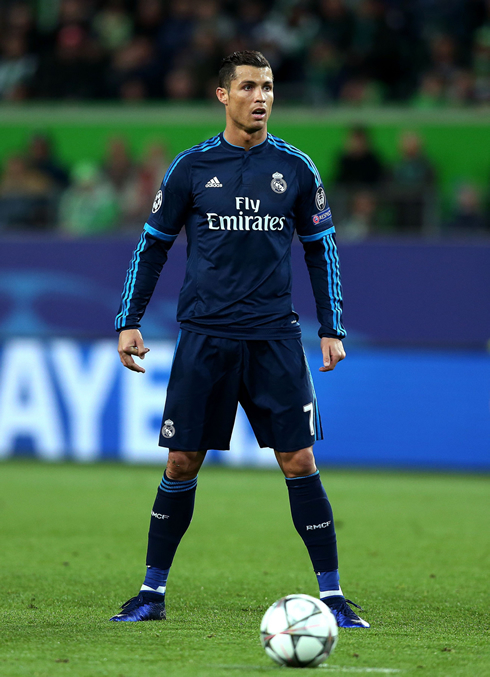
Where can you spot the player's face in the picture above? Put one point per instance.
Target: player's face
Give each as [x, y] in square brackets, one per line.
[249, 101]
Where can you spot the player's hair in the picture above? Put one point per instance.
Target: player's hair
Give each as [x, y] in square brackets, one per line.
[227, 72]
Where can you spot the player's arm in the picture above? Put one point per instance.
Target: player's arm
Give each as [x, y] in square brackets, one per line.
[317, 235]
[159, 234]
[323, 267]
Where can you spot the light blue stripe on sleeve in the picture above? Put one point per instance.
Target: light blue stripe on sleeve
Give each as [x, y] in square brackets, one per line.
[158, 233]
[330, 282]
[334, 287]
[133, 281]
[127, 284]
[337, 276]
[316, 236]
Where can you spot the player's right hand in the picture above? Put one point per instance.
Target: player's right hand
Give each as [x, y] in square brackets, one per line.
[131, 344]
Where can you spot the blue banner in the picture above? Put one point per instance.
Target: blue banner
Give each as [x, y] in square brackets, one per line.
[67, 399]
[395, 293]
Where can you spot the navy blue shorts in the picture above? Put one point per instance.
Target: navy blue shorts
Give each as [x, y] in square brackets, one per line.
[210, 376]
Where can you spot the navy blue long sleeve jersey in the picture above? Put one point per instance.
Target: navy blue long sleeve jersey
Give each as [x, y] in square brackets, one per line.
[240, 210]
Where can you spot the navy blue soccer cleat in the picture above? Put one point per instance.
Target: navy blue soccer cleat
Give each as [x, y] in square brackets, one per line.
[344, 615]
[147, 606]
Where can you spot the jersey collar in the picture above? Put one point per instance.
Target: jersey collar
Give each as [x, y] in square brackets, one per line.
[239, 149]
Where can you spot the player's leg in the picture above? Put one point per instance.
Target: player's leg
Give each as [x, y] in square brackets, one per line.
[170, 518]
[284, 415]
[297, 463]
[313, 518]
[202, 398]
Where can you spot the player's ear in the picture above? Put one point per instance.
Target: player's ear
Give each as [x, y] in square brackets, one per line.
[222, 95]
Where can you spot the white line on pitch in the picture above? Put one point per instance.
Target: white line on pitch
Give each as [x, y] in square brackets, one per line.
[343, 668]
[259, 668]
[338, 668]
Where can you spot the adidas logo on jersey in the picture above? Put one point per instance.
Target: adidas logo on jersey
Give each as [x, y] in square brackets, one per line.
[214, 183]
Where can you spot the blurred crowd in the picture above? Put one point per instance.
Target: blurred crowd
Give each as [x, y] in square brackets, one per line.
[368, 197]
[427, 53]
[39, 194]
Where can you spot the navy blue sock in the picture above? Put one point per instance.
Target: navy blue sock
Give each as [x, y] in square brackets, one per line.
[155, 580]
[313, 519]
[328, 582]
[170, 519]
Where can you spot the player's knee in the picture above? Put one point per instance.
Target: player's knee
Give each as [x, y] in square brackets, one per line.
[184, 465]
[298, 463]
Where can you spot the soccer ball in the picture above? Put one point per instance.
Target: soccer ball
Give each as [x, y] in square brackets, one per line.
[299, 631]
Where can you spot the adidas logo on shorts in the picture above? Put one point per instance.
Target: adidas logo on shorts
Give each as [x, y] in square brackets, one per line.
[214, 183]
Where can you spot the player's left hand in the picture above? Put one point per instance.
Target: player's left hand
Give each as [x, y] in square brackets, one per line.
[332, 351]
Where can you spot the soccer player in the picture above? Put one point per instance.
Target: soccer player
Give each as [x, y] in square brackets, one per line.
[241, 195]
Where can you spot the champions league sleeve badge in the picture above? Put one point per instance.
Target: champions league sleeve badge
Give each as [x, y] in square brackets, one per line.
[278, 184]
[157, 203]
[320, 199]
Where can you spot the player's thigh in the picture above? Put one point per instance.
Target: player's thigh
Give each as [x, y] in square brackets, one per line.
[202, 393]
[279, 396]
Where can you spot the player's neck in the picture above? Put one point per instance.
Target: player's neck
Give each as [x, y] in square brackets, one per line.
[239, 137]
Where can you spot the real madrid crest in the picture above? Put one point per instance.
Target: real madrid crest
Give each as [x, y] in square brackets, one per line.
[157, 203]
[168, 429]
[278, 184]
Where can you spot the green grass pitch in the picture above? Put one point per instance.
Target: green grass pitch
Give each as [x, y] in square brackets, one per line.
[413, 551]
